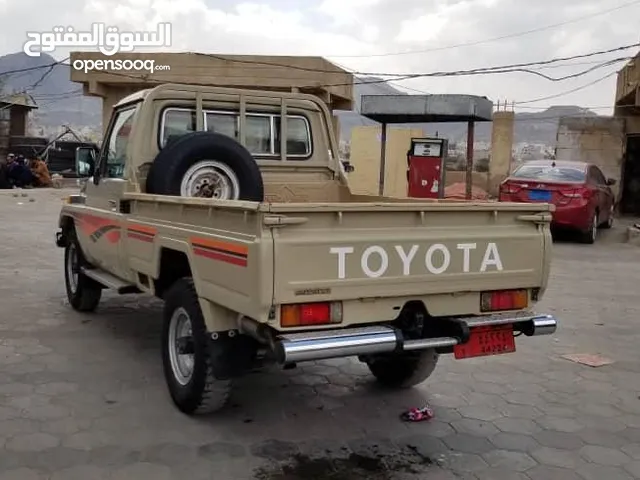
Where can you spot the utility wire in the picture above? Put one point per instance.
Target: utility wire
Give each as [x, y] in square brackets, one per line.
[567, 92]
[494, 39]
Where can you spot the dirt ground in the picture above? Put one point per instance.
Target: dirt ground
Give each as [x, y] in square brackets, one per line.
[83, 396]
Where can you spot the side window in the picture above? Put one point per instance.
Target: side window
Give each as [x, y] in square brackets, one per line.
[177, 123]
[115, 155]
[298, 137]
[258, 136]
[224, 123]
[600, 178]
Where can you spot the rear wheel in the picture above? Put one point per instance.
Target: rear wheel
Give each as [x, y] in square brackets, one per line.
[403, 370]
[591, 234]
[83, 292]
[189, 358]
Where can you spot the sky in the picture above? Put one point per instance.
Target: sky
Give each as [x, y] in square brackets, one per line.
[381, 36]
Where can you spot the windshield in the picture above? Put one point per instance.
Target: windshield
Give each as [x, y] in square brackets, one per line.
[549, 173]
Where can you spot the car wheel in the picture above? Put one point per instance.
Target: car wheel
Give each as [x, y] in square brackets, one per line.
[610, 220]
[83, 292]
[590, 235]
[192, 363]
[403, 370]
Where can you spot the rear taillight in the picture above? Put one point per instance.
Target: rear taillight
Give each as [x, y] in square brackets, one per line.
[509, 188]
[307, 314]
[577, 193]
[500, 300]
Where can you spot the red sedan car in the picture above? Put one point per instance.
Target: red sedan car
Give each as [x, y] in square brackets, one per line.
[581, 193]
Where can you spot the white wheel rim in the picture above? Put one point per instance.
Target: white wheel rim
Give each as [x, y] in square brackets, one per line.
[594, 227]
[610, 221]
[72, 268]
[210, 179]
[181, 363]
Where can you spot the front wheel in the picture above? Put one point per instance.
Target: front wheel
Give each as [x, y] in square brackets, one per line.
[609, 223]
[188, 356]
[403, 370]
[83, 292]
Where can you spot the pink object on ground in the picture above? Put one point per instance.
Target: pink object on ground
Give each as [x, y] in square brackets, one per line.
[589, 359]
[417, 414]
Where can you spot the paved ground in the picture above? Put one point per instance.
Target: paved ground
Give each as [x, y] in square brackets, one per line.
[82, 396]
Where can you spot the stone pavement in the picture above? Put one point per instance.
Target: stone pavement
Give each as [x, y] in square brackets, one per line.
[83, 397]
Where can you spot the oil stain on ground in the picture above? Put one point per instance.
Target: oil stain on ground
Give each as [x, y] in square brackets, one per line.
[351, 466]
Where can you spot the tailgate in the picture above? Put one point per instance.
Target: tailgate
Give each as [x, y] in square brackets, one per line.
[402, 251]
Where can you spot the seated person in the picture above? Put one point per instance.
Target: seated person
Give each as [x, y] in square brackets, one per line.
[40, 172]
[19, 174]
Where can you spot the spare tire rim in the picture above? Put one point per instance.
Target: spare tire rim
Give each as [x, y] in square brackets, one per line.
[210, 179]
[180, 343]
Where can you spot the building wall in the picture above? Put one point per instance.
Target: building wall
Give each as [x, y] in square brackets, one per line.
[18, 122]
[365, 157]
[628, 83]
[501, 150]
[597, 140]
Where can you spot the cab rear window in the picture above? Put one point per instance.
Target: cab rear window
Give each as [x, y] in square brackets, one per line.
[542, 172]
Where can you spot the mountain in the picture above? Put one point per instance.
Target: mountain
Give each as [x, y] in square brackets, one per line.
[61, 102]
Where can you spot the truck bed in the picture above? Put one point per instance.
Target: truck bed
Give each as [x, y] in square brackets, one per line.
[253, 257]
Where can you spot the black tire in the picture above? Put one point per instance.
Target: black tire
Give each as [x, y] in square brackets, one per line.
[171, 164]
[84, 294]
[404, 370]
[589, 236]
[206, 390]
[609, 223]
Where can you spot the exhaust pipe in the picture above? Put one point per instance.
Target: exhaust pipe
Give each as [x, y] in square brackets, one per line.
[541, 325]
[301, 347]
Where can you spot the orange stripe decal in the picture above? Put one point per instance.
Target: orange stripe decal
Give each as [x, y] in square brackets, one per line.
[96, 227]
[231, 253]
[142, 229]
[218, 245]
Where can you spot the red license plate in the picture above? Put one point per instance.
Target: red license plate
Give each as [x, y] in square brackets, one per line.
[484, 341]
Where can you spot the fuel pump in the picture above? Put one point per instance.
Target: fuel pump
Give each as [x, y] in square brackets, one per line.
[426, 167]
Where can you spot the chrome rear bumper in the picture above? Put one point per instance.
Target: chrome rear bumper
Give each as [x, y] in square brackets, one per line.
[319, 345]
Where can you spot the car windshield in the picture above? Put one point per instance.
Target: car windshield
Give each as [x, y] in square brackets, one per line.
[547, 172]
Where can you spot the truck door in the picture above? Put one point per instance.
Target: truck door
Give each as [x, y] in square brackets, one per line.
[103, 227]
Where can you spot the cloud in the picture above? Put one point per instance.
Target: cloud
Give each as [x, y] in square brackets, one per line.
[354, 33]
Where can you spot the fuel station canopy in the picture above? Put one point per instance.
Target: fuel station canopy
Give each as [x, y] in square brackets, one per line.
[387, 109]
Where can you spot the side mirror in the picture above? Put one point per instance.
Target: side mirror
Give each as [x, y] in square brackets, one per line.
[611, 181]
[85, 161]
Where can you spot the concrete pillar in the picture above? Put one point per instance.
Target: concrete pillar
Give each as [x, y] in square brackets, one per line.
[336, 128]
[501, 148]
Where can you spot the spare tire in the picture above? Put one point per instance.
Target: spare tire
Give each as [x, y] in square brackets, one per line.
[204, 164]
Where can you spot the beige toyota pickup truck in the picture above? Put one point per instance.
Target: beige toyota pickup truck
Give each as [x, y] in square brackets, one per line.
[245, 226]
